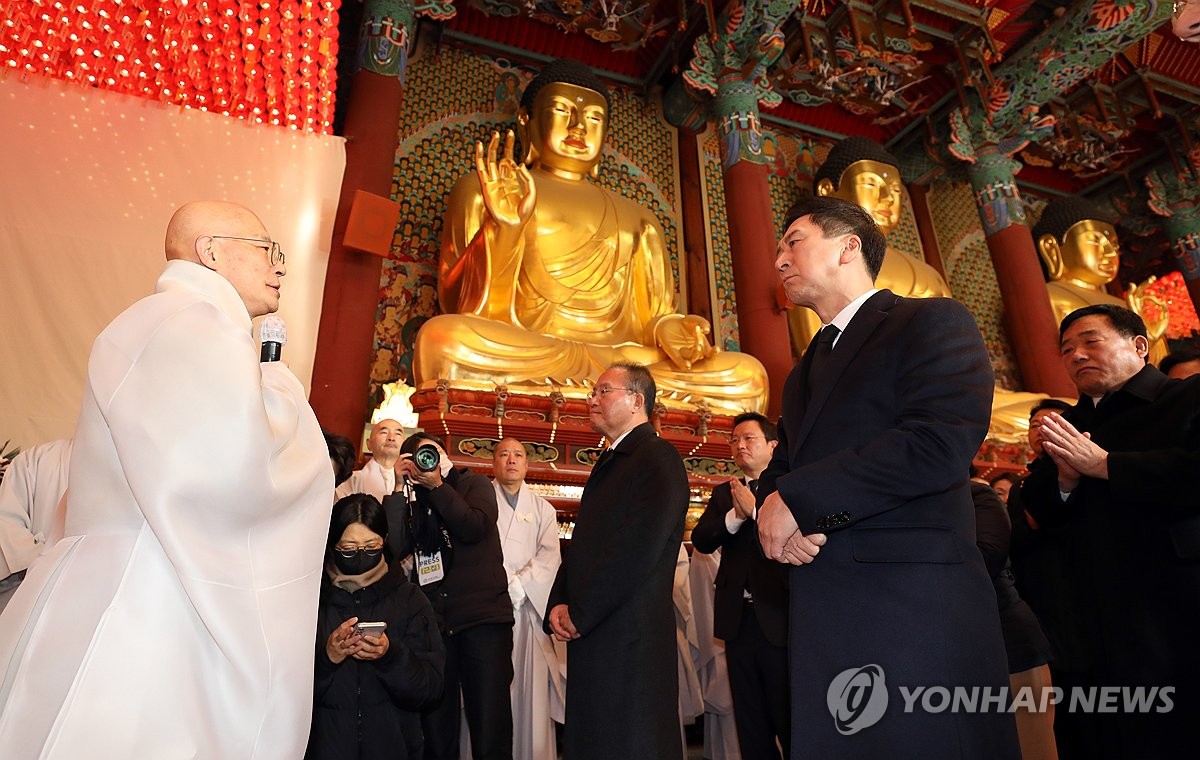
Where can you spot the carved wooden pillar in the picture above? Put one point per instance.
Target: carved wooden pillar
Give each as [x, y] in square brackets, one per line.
[346, 333]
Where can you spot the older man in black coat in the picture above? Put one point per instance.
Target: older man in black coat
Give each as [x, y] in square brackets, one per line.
[611, 600]
[1121, 471]
[871, 503]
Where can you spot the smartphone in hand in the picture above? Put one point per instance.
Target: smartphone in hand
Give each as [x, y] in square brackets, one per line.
[373, 630]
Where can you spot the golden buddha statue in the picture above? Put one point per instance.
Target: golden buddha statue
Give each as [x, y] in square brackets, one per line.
[861, 171]
[1081, 255]
[546, 278]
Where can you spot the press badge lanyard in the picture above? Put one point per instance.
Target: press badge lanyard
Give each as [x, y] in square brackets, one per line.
[429, 568]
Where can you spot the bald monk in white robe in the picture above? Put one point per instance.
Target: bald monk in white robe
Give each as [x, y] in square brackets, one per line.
[378, 475]
[528, 526]
[176, 618]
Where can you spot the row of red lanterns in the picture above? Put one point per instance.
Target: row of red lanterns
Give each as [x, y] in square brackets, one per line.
[1173, 291]
[272, 61]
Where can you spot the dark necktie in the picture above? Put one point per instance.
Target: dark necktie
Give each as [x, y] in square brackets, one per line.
[821, 353]
[604, 457]
[748, 591]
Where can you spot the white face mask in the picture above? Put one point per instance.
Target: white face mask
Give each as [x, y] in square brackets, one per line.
[446, 465]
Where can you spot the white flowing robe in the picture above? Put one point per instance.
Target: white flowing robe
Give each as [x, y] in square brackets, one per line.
[529, 537]
[691, 699]
[30, 518]
[176, 619]
[29, 494]
[371, 479]
[720, 730]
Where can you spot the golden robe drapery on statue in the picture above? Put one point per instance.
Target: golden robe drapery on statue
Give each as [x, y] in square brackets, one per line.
[546, 278]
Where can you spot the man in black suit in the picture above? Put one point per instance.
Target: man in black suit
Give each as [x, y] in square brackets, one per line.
[869, 499]
[611, 599]
[1121, 471]
[750, 604]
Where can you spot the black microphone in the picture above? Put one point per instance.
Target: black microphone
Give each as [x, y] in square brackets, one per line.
[273, 334]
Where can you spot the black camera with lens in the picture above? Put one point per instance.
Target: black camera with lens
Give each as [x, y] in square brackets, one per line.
[427, 458]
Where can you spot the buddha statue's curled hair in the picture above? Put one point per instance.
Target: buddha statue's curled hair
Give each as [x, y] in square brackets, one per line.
[1061, 213]
[570, 72]
[849, 151]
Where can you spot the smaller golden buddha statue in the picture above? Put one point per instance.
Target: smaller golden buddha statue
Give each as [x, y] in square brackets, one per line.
[546, 278]
[1081, 254]
[861, 171]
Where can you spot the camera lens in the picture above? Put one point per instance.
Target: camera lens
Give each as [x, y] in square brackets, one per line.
[427, 457]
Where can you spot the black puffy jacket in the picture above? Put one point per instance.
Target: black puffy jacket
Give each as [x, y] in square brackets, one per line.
[371, 709]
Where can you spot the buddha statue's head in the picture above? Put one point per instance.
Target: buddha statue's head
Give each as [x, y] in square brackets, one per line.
[1076, 244]
[861, 171]
[563, 118]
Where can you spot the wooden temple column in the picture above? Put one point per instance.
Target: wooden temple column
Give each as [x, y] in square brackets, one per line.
[346, 333]
[762, 327]
[726, 79]
[695, 239]
[919, 196]
[1027, 310]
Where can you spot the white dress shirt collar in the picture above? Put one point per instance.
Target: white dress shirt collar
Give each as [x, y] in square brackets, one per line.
[842, 320]
[620, 438]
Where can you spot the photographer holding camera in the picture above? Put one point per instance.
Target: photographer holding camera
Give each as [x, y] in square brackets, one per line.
[445, 517]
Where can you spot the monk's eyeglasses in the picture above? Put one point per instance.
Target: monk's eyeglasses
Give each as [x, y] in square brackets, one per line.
[274, 253]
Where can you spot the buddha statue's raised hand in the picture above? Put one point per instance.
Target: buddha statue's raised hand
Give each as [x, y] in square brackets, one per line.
[507, 187]
[1137, 298]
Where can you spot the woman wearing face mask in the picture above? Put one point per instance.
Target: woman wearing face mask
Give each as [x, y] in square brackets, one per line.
[370, 687]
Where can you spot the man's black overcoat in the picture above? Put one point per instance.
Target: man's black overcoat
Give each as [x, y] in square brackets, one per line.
[616, 579]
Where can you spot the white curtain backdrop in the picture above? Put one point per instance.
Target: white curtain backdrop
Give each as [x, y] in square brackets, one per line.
[88, 181]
